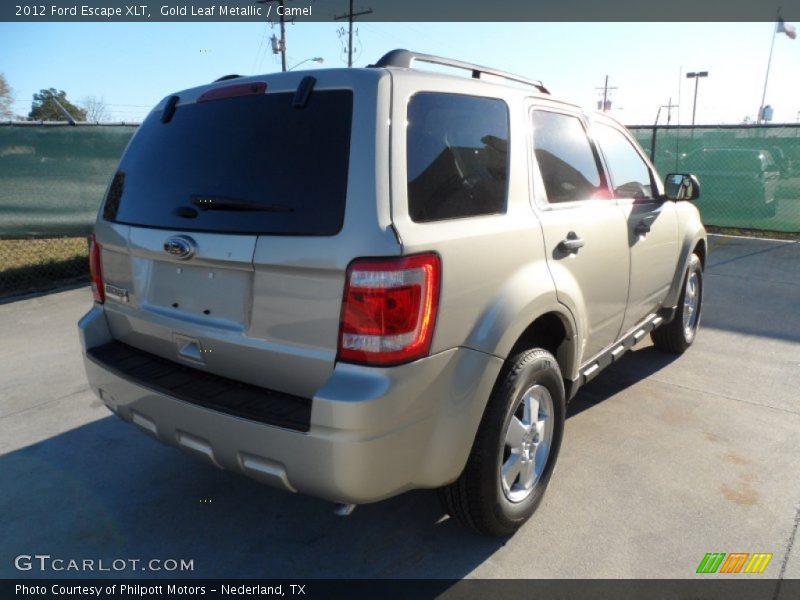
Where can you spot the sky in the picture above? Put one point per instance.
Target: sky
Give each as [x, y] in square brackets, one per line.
[131, 66]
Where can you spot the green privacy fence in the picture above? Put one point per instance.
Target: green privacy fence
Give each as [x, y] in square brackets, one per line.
[53, 177]
[749, 174]
[52, 180]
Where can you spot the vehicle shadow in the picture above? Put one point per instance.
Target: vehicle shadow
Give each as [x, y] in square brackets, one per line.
[635, 366]
[104, 491]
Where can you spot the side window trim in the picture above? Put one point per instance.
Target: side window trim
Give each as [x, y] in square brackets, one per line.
[537, 191]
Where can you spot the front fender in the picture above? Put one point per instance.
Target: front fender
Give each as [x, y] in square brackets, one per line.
[693, 233]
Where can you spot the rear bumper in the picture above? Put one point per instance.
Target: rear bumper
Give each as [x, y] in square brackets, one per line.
[374, 432]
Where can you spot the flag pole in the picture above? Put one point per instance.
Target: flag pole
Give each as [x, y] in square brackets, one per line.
[760, 115]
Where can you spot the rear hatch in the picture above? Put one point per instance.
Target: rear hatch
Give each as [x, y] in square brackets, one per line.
[227, 230]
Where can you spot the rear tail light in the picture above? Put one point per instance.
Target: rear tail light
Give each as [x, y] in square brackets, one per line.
[96, 271]
[389, 309]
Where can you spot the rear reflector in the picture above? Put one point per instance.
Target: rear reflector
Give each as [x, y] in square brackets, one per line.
[229, 91]
[389, 309]
[96, 271]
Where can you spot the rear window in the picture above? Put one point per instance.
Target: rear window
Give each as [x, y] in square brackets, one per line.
[248, 164]
[457, 157]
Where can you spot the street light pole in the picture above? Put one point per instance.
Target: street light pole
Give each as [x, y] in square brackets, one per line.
[316, 59]
[696, 76]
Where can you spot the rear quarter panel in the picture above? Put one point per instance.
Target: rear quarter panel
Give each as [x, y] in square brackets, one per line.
[495, 278]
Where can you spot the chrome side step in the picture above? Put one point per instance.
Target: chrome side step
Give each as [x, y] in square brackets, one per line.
[590, 369]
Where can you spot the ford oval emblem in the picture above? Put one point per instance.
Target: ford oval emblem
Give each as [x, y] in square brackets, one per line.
[180, 246]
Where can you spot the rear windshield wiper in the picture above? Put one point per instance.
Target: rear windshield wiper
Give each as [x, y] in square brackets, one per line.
[234, 204]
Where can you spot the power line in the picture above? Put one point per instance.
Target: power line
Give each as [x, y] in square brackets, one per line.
[20, 101]
[281, 45]
[605, 106]
[260, 45]
[350, 16]
[669, 106]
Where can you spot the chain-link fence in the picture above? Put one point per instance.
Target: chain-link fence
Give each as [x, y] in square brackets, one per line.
[53, 177]
[749, 174]
[28, 265]
[52, 180]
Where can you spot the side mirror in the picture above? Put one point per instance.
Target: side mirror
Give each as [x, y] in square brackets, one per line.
[681, 186]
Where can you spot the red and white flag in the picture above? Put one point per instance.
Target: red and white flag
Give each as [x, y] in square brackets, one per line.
[784, 27]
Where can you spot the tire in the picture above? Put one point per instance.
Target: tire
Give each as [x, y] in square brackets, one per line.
[478, 498]
[677, 335]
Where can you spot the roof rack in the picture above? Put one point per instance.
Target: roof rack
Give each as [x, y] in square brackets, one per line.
[403, 58]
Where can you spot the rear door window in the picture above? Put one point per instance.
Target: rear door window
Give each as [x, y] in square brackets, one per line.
[247, 164]
[457, 156]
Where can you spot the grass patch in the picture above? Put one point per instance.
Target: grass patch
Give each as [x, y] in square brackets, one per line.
[25, 253]
[41, 264]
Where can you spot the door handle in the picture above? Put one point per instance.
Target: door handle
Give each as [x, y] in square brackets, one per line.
[571, 244]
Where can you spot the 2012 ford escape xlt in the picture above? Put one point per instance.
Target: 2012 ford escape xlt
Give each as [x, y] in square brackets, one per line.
[355, 282]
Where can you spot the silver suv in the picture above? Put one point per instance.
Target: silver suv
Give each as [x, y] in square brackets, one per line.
[351, 283]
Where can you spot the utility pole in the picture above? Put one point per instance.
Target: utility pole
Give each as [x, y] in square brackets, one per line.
[669, 106]
[282, 42]
[350, 16]
[606, 103]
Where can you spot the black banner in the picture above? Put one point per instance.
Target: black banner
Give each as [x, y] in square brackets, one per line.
[712, 588]
[392, 10]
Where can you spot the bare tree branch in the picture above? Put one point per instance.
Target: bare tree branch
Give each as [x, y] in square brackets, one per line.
[6, 99]
[96, 109]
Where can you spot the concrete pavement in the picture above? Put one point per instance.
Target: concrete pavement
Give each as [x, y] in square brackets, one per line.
[663, 460]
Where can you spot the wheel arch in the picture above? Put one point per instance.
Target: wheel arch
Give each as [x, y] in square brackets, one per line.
[693, 242]
[555, 332]
[701, 250]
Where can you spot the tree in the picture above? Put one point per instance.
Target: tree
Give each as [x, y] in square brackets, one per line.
[45, 107]
[6, 99]
[96, 109]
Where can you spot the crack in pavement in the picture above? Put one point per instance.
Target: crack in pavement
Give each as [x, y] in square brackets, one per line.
[46, 402]
[632, 381]
[754, 277]
[789, 546]
[725, 396]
